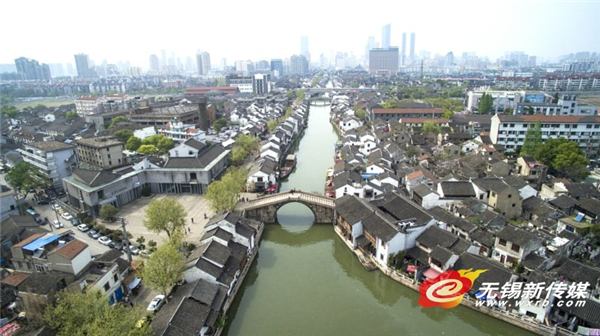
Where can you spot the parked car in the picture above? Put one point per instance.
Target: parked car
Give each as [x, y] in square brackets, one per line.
[156, 303]
[117, 245]
[145, 253]
[134, 249]
[75, 221]
[66, 216]
[94, 234]
[57, 224]
[104, 240]
[32, 212]
[83, 227]
[56, 206]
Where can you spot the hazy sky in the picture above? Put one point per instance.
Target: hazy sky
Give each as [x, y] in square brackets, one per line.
[53, 31]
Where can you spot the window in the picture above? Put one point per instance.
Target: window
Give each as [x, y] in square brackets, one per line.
[514, 204]
[106, 286]
[502, 242]
[515, 247]
[116, 277]
[509, 195]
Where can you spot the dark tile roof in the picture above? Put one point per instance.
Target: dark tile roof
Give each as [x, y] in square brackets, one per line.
[199, 145]
[203, 160]
[458, 189]
[589, 312]
[493, 183]
[205, 292]
[352, 209]
[402, 209]
[515, 181]
[483, 236]
[591, 205]
[494, 273]
[217, 252]
[460, 246]
[42, 283]
[578, 190]
[532, 261]
[16, 225]
[219, 233]
[379, 226]
[208, 267]
[50, 146]
[109, 256]
[94, 178]
[563, 202]
[516, 235]
[418, 254]
[440, 254]
[577, 272]
[537, 206]
[444, 216]
[189, 318]
[434, 236]
[244, 229]
[422, 190]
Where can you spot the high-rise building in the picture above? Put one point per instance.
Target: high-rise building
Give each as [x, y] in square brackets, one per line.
[298, 65]
[304, 47]
[163, 58]
[277, 67]
[32, 70]
[403, 56]
[203, 62]
[383, 61]
[371, 44]
[82, 62]
[261, 83]
[154, 63]
[386, 36]
[412, 47]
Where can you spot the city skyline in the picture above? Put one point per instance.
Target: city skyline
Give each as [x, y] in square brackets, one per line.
[551, 29]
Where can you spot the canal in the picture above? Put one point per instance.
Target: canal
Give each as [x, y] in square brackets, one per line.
[305, 281]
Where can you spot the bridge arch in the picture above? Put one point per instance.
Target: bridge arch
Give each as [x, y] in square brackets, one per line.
[265, 208]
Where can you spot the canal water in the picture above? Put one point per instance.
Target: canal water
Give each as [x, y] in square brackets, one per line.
[305, 281]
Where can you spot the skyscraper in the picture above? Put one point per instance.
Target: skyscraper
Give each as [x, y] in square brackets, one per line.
[304, 47]
[298, 65]
[154, 64]
[386, 36]
[412, 47]
[82, 63]
[163, 59]
[203, 62]
[371, 44]
[31, 69]
[277, 67]
[403, 56]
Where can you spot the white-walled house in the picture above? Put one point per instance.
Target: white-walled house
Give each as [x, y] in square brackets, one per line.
[349, 123]
[188, 148]
[145, 132]
[262, 175]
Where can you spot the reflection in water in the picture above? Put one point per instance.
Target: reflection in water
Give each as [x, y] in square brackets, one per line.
[310, 283]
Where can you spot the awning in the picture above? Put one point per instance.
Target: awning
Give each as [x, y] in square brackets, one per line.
[411, 268]
[136, 281]
[430, 273]
[41, 242]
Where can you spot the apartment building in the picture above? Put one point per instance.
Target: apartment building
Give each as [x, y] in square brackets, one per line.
[503, 100]
[52, 158]
[510, 130]
[566, 105]
[101, 152]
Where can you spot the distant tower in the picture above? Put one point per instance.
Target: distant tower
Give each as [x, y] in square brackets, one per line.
[370, 45]
[412, 47]
[203, 63]
[154, 64]
[403, 56]
[82, 62]
[304, 47]
[386, 36]
[163, 59]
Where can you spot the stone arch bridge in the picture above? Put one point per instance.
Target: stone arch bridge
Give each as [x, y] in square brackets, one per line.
[265, 208]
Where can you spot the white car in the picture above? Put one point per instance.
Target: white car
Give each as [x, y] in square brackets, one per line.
[57, 224]
[156, 303]
[104, 240]
[66, 216]
[83, 227]
[55, 206]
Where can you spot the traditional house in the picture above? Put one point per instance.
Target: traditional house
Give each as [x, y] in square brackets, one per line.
[513, 245]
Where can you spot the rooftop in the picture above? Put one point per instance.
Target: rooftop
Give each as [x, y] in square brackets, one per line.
[50, 146]
[100, 142]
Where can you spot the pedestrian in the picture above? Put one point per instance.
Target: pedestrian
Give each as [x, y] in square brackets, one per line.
[190, 230]
[192, 220]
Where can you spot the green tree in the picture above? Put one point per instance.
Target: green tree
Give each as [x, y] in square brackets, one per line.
[25, 176]
[548, 151]
[164, 268]
[272, 125]
[448, 114]
[238, 155]
[133, 144]
[431, 127]
[486, 103]
[570, 160]
[360, 114]
[166, 215]
[89, 313]
[147, 150]
[108, 212]
[117, 120]
[165, 144]
[247, 142]
[555, 98]
[509, 110]
[533, 140]
[224, 194]
[124, 135]
[219, 124]
[9, 110]
[71, 115]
